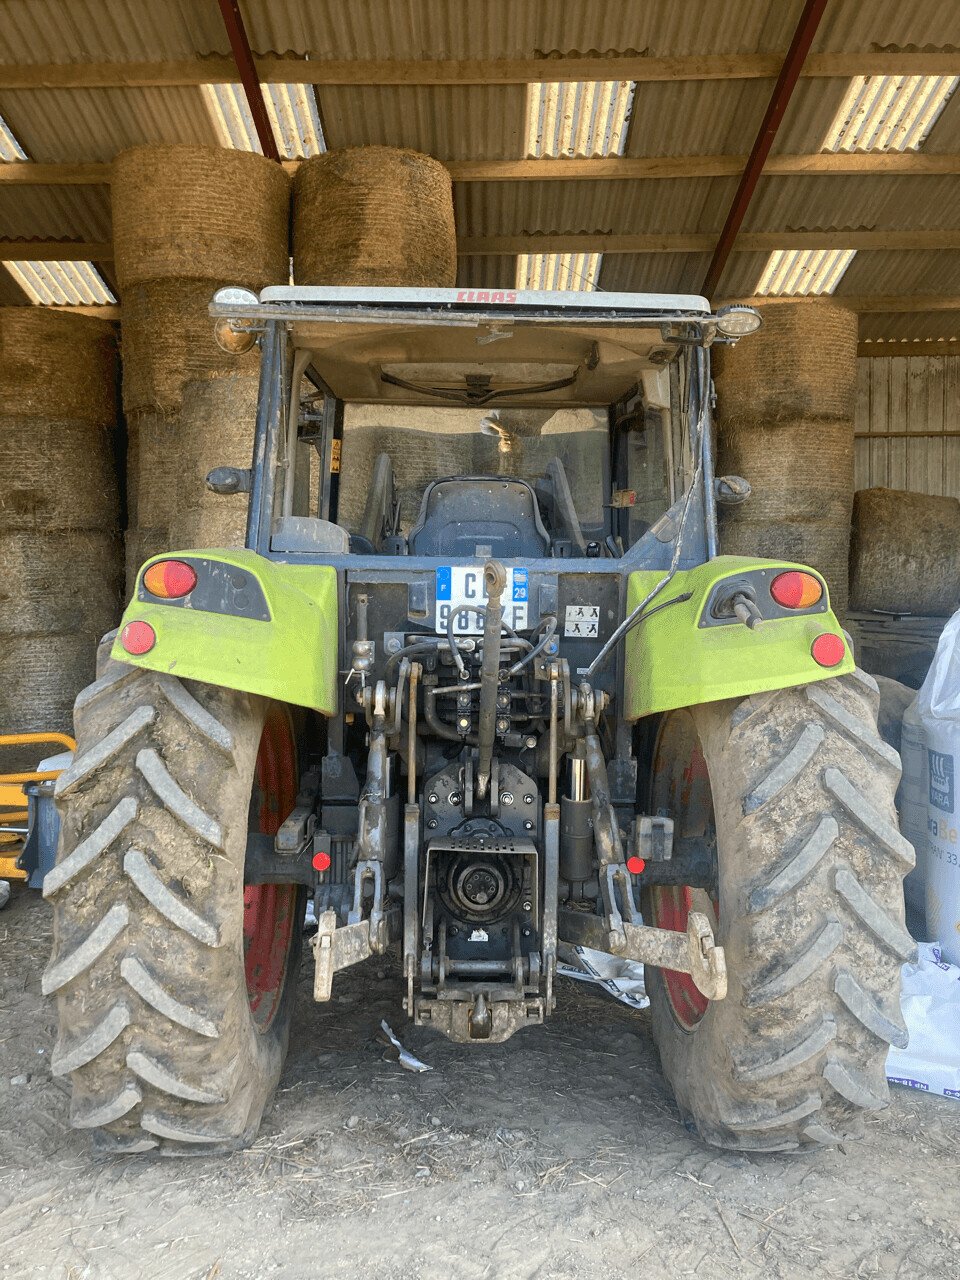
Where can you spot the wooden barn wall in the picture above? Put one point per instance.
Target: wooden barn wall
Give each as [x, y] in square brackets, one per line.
[919, 396]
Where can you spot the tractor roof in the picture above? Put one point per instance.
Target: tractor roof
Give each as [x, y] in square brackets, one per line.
[432, 346]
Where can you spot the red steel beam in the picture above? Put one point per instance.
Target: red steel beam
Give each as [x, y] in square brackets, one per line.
[243, 57]
[779, 99]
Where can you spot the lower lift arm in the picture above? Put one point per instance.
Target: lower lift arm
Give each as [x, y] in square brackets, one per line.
[621, 930]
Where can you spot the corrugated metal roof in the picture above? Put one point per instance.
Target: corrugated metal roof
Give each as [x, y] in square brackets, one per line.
[54, 213]
[451, 122]
[909, 326]
[64, 126]
[618, 207]
[488, 272]
[101, 30]
[488, 121]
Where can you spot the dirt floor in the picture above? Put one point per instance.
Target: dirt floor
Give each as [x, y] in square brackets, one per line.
[557, 1155]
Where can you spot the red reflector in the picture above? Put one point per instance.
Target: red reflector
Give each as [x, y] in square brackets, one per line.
[795, 590]
[138, 637]
[169, 579]
[635, 864]
[828, 649]
[321, 861]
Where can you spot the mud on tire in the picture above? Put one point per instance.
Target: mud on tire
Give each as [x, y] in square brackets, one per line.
[156, 1030]
[811, 865]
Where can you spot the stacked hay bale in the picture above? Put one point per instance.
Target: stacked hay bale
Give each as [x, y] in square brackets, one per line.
[374, 216]
[785, 403]
[59, 543]
[187, 220]
[905, 553]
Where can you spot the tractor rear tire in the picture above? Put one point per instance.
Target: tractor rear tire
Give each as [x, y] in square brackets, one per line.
[797, 788]
[174, 983]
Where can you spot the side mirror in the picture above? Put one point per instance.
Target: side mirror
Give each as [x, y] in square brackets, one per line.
[230, 480]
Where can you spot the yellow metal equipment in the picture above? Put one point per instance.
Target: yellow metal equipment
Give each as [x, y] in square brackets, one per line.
[13, 802]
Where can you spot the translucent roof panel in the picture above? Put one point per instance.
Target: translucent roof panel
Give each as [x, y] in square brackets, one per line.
[578, 119]
[61, 283]
[804, 271]
[291, 110]
[558, 270]
[10, 148]
[888, 113]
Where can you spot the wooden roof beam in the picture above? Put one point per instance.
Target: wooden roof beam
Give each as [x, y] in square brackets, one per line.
[370, 71]
[918, 347]
[593, 169]
[747, 242]
[868, 304]
[575, 242]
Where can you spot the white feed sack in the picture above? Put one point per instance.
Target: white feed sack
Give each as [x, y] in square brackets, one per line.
[930, 1001]
[930, 802]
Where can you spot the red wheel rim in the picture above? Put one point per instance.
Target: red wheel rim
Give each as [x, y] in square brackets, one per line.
[681, 790]
[270, 910]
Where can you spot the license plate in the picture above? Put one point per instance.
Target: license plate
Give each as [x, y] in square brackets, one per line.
[463, 584]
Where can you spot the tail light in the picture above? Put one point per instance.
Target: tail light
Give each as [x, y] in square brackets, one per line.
[796, 590]
[138, 638]
[170, 579]
[828, 649]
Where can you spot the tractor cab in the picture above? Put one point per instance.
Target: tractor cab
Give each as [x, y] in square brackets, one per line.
[427, 423]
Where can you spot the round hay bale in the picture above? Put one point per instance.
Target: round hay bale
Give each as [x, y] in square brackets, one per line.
[217, 419]
[56, 365]
[57, 581]
[802, 363]
[159, 467]
[374, 216]
[905, 553]
[200, 211]
[824, 547]
[56, 475]
[40, 676]
[798, 470]
[139, 546]
[167, 339]
[133, 470]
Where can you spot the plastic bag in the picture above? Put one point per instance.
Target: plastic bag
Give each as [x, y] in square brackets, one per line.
[938, 710]
[930, 1001]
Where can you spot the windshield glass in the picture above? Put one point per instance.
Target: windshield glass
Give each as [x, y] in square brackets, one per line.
[425, 444]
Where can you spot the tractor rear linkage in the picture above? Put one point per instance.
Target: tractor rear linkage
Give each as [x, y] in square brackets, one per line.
[373, 922]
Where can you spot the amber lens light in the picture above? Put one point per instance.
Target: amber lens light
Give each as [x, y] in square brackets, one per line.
[828, 650]
[795, 590]
[137, 638]
[169, 579]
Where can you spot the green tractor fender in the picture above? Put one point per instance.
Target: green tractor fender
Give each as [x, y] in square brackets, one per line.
[697, 651]
[249, 623]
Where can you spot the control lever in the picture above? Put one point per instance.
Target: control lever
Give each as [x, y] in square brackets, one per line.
[746, 610]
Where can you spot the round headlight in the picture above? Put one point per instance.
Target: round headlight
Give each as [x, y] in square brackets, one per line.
[738, 320]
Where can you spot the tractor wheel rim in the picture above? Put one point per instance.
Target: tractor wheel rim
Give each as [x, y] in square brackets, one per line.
[681, 788]
[270, 910]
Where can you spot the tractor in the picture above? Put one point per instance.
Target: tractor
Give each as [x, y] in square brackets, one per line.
[478, 687]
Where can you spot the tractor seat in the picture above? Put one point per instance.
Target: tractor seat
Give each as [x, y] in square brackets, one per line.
[479, 516]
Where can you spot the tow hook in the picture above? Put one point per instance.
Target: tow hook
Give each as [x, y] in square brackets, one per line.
[746, 610]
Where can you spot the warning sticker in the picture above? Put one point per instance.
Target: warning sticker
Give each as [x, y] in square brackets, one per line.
[581, 620]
